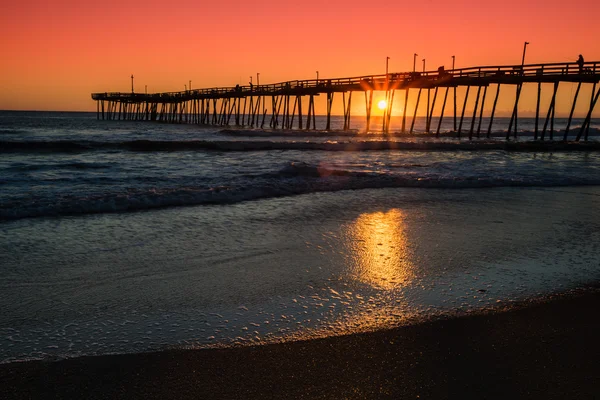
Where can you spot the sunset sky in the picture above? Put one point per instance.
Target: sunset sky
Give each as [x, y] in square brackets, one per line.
[54, 54]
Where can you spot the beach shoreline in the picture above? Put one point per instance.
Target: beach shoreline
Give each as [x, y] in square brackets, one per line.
[536, 349]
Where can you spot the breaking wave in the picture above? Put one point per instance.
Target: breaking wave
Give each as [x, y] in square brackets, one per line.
[294, 178]
[266, 145]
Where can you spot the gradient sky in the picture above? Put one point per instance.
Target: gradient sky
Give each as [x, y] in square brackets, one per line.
[55, 53]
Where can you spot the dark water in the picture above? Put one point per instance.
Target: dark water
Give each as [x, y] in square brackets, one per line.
[69, 163]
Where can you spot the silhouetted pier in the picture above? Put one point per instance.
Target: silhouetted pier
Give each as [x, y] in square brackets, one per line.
[280, 105]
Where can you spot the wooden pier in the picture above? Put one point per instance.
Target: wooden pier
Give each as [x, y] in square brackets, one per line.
[280, 105]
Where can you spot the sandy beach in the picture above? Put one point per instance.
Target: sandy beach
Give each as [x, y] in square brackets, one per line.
[543, 350]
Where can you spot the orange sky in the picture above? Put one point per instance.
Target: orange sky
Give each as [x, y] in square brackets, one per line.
[55, 53]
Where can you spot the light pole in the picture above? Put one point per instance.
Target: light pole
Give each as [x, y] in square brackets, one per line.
[524, 50]
[250, 79]
[428, 94]
[131, 83]
[317, 78]
[258, 88]
[453, 60]
[387, 95]
[190, 86]
[185, 87]
[387, 59]
[415, 62]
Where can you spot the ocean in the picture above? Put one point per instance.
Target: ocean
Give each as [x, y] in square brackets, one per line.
[125, 237]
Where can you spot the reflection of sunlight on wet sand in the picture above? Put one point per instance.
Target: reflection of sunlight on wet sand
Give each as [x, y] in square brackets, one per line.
[380, 252]
[365, 295]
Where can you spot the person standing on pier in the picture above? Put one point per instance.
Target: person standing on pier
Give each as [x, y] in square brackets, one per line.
[580, 63]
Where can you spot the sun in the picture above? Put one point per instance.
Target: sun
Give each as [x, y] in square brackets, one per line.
[382, 104]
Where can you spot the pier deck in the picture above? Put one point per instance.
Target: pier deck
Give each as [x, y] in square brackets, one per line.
[248, 105]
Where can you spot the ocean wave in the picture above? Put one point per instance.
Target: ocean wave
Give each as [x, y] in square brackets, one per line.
[294, 178]
[69, 165]
[355, 133]
[288, 132]
[47, 146]
[12, 131]
[267, 145]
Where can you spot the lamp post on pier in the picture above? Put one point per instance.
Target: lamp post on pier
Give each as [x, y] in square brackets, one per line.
[185, 87]
[258, 88]
[524, 50]
[453, 60]
[428, 95]
[190, 86]
[415, 62]
[387, 96]
[317, 78]
[387, 59]
[131, 83]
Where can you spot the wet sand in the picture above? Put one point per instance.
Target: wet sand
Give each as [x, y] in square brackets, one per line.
[544, 350]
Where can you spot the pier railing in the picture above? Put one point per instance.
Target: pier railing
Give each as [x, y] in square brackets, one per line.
[588, 70]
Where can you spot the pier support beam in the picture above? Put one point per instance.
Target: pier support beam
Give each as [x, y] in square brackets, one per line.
[454, 108]
[437, 132]
[412, 124]
[489, 132]
[427, 110]
[299, 112]
[251, 112]
[550, 113]
[390, 103]
[514, 115]
[462, 114]
[291, 122]
[475, 108]
[274, 108]
[481, 112]
[430, 114]
[329, 105]
[264, 116]
[369, 106]
[311, 113]
[347, 107]
[572, 111]
[537, 110]
[404, 111]
[586, 122]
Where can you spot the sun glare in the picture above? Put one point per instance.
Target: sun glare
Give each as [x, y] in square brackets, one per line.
[382, 104]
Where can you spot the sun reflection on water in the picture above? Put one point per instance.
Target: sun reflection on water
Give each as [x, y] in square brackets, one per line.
[380, 252]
